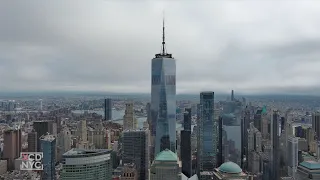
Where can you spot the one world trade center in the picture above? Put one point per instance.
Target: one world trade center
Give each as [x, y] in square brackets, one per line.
[163, 101]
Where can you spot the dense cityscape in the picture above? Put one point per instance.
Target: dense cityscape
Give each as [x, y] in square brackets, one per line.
[160, 135]
[166, 137]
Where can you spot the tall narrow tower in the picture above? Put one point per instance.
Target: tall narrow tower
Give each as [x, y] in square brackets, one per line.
[129, 120]
[163, 101]
[232, 95]
[207, 134]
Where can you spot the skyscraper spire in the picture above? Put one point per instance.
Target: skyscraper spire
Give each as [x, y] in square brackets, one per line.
[163, 51]
[163, 38]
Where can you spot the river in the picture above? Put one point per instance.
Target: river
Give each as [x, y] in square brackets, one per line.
[119, 115]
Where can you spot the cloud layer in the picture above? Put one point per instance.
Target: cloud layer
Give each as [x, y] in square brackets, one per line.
[79, 45]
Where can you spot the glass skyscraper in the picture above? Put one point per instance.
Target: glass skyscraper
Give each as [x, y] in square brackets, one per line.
[163, 101]
[207, 133]
[48, 147]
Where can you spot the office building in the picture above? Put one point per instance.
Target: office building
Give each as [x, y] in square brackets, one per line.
[292, 155]
[32, 141]
[64, 141]
[87, 164]
[275, 135]
[129, 119]
[207, 134]
[308, 170]
[42, 128]
[185, 144]
[245, 125]
[229, 171]
[165, 166]
[221, 154]
[135, 149]
[163, 101]
[258, 120]
[108, 109]
[232, 95]
[129, 172]
[48, 147]
[12, 146]
[316, 124]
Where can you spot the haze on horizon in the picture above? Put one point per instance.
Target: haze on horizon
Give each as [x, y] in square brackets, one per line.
[78, 45]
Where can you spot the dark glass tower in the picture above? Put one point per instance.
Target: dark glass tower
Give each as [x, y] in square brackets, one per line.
[163, 101]
[48, 147]
[186, 144]
[245, 123]
[207, 134]
[220, 153]
[275, 134]
[107, 109]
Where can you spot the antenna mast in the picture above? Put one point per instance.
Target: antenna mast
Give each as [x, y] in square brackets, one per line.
[163, 38]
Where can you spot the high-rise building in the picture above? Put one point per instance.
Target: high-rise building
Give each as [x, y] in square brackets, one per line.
[163, 100]
[64, 139]
[207, 132]
[48, 147]
[129, 120]
[185, 144]
[12, 146]
[275, 135]
[32, 141]
[165, 166]
[83, 135]
[87, 164]
[232, 95]
[42, 128]
[292, 153]
[135, 149]
[187, 119]
[316, 124]
[108, 109]
[245, 125]
[220, 145]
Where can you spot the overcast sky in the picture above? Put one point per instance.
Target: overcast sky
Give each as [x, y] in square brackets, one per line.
[81, 45]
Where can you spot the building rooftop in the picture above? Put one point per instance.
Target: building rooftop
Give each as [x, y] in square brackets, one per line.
[230, 168]
[48, 137]
[166, 155]
[310, 164]
[85, 153]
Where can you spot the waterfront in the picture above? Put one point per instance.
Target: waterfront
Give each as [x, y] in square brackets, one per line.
[116, 115]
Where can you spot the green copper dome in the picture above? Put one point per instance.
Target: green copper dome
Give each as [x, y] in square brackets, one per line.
[264, 110]
[230, 168]
[166, 155]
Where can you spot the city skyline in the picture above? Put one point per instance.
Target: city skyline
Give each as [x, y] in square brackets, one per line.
[251, 47]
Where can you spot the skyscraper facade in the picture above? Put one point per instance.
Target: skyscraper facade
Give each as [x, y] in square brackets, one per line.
[87, 164]
[275, 134]
[32, 141]
[12, 146]
[207, 132]
[129, 120]
[48, 147]
[292, 153]
[316, 124]
[42, 128]
[108, 109]
[135, 146]
[163, 101]
[186, 144]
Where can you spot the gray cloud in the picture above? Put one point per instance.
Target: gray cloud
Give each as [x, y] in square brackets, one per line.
[108, 46]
